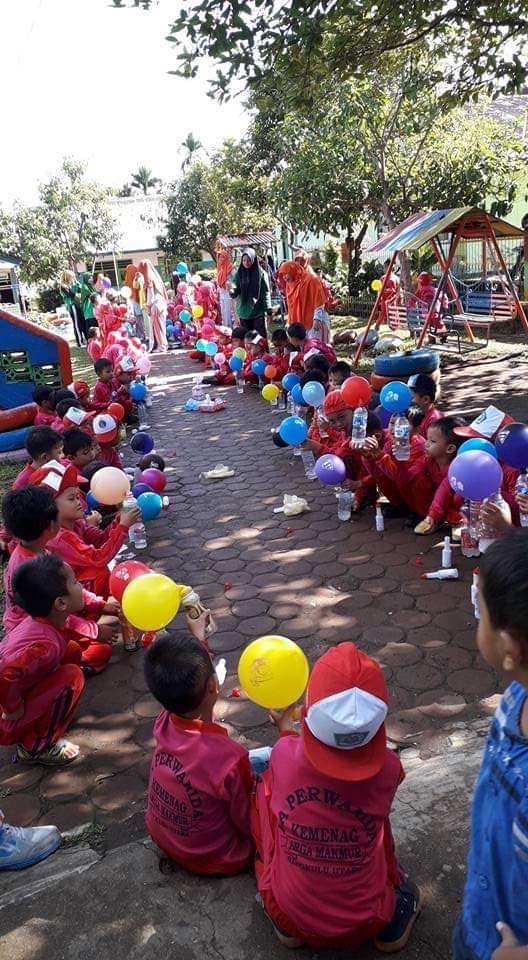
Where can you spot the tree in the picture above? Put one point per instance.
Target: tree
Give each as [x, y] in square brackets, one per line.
[193, 147]
[384, 147]
[71, 223]
[143, 180]
[222, 195]
[8, 236]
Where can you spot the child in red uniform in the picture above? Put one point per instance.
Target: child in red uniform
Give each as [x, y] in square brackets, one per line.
[423, 390]
[337, 374]
[31, 516]
[40, 677]
[103, 392]
[125, 372]
[326, 867]
[200, 779]
[88, 559]
[42, 444]
[44, 398]
[297, 337]
[94, 344]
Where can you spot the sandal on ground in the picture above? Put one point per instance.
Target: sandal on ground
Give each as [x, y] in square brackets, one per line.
[54, 757]
[218, 472]
[426, 527]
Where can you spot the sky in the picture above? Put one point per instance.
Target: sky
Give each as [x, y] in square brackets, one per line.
[83, 79]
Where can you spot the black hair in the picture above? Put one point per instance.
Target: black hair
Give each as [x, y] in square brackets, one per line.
[424, 386]
[415, 416]
[277, 439]
[279, 335]
[28, 512]
[373, 423]
[92, 333]
[177, 670]
[75, 440]
[317, 362]
[37, 584]
[151, 460]
[504, 584]
[310, 375]
[238, 333]
[249, 334]
[447, 425]
[91, 468]
[296, 330]
[62, 394]
[42, 393]
[41, 440]
[62, 407]
[101, 364]
[341, 367]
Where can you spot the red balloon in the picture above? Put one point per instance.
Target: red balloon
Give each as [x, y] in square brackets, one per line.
[356, 391]
[154, 478]
[117, 411]
[270, 372]
[123, 574]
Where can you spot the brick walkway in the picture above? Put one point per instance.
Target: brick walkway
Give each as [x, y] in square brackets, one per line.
[311, 578]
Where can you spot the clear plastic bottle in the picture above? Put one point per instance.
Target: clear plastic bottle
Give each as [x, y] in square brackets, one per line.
[239, 379]
[486, 533]
[447, 554]
[290, 405]
[468, 534]
[194, 607]
[345, 502]
[129, 504]
[380, 519]
[321, 424]
[474, 593]
[138, 535]
[359, 427]
[402, 438]
[197, 391]
[308, 461]
[522, 487]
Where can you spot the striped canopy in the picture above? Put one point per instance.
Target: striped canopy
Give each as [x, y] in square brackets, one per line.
[417, 229]
[264, 238]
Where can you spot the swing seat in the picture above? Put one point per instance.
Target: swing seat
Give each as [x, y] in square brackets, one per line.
[483, 311]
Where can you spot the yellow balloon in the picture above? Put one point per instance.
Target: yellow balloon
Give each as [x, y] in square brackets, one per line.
[110, 486]
[273, 671]
[151, 601]
[125, 292]
[270, 392]
[197, 311]
[240, 353]
[376, 285]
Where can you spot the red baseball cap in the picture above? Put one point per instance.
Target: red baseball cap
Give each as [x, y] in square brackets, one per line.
[57, 476]
[345, 705]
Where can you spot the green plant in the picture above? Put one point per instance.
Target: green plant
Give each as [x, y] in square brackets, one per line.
[49, 299]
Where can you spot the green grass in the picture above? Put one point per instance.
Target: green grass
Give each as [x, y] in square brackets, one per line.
[82, 365]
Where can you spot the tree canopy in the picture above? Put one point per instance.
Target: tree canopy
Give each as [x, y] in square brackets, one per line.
[143, 180]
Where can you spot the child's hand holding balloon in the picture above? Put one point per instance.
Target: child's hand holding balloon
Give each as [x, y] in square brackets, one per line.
[285, 720]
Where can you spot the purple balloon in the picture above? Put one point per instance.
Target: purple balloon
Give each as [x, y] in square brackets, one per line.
[140, 488]
[512, 445]
[475, 475]
[330, 469]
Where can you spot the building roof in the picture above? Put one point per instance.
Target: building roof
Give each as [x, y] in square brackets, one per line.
[264, 237]
[139, 221]
[7, 261]
[419, 228]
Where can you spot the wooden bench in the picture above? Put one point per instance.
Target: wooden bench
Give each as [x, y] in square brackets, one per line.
[483, 310]
[401, 315]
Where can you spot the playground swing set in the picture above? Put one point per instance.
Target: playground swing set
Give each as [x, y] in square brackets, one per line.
[444, 230]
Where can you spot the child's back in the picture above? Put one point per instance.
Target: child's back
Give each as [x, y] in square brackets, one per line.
[200, 780]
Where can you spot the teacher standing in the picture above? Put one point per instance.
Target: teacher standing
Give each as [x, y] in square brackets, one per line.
[251, 290]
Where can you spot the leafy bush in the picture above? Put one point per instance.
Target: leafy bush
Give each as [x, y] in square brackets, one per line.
[49, 299]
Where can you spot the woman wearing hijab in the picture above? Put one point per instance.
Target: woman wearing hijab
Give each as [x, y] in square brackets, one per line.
[87, 303]
[252, 293]
[135, 282]
[224, 271]
[70, 291]
[305, 294]
[157, 301]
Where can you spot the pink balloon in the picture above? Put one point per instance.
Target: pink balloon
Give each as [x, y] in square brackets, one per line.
[181, 288]
[207, 329]
[144, 365]
[220, 359]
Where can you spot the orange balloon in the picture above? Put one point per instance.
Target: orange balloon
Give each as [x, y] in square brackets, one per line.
[117, 411]
[356, 391]
[270, 372]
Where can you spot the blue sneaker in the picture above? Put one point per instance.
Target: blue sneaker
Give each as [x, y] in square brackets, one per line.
[23, 846]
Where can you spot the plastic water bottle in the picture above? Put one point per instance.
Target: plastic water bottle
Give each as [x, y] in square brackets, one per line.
[194, 607]
[474, 593]
[380, 519]
[138, 535]
[308, 461]
[402, 438]
[522, 487]
[321, 424]
[447, 554]
[290, 406]
[468, 534]
[129, 504]
[345, 502]
[359, 426]
[486, 533]
[197, 391]
[239, 383]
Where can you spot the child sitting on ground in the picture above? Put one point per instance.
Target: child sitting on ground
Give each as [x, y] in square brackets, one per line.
[326, 867]
[88, 560]
[337, 374]
[200, 779]
[42, 444]
[125, 372]
[40, 675]
[44, 398]
[79, 448]
[494, 919]
[423, 390]
[301, 342]
[103, 392]
[31, 516]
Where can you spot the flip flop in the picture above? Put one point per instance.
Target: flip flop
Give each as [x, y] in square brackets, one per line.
[218, 472]
[54, 757]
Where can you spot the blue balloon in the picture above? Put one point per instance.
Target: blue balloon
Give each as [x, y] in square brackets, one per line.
[200, 345]
[289, 380]
[138, 392]
[211, 349]
[293, 430]
[181, 268]
[142, 443]
[91, 501]
[170, 330]
[396, 397]
[185, 316]
[477, 443]
[236, 364]
[258, 367]
[297, 396]
[313, 393]
[150, 505]
[140, 488]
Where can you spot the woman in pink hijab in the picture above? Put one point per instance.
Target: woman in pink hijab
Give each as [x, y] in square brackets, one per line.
[157, 302]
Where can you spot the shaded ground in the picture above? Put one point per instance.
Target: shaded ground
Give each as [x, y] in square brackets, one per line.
[310, 578]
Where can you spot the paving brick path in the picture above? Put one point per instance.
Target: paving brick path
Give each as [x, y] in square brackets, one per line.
[311, 578]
